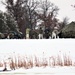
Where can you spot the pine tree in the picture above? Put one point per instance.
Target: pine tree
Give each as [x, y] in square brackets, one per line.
[3, 26]
[11, 23]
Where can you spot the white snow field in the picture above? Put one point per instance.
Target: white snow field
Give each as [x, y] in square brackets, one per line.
[43, 48]
[42, 71]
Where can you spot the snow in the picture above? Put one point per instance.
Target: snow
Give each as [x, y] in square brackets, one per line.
[37, 47]
[45, 71]
[43, 48]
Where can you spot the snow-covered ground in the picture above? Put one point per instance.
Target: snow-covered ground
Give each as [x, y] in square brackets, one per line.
[37, 47]
[42, 71]
[50, 47]
[40, 48]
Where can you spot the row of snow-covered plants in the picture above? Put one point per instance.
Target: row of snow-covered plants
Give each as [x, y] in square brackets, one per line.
[30, 61]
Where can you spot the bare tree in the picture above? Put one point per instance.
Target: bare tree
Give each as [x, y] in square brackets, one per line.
[24, 13]
[48, 12]
[30, 13]
[64, 22]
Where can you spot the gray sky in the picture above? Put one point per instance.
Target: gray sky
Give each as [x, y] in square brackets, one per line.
[65, 7]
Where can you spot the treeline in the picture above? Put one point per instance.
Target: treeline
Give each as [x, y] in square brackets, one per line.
[32, 14]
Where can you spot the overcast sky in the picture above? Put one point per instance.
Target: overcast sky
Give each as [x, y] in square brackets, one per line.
[66, 10]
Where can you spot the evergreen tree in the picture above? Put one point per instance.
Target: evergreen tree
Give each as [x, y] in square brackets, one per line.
[11, 23]
[3, 26]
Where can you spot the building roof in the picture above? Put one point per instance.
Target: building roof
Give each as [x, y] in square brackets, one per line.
[70, 27]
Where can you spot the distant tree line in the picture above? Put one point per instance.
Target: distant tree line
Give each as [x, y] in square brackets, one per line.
[32, 14]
